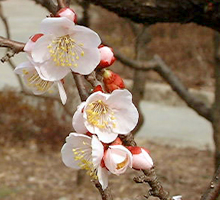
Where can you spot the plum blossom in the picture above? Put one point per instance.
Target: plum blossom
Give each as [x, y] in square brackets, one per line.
[64, 47]
[177, 197]
[33, 80]
[107, 56]
[140, 158]
[117, 159]
[68, 13]
[83, 152]
[107, 115]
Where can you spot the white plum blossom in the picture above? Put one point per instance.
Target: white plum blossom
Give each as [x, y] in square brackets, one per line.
[177, 197]
[65, 47]
[107, 115]
[83, 152]
[68, 13]
[117, 159]
[34, 81]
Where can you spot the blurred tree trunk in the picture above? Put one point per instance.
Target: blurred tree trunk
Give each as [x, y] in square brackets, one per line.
[139, 80]
[216, 104]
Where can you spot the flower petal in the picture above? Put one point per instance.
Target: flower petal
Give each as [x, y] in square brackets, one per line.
[102, 174]
[57, 26]
[73, 141]
[49, 71]
[40, 52]
[78, 120]
[85, 36]
[97, 151]
[88, 62]
[125, 112]
[62, 92]
[24, 66]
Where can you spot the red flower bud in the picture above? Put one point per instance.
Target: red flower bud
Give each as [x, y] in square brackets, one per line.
[97, 88]
[107, 56]
[141, 158]
[68, 13]
[112, 81]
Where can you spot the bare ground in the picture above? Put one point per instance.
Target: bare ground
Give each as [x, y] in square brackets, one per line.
[26, 173]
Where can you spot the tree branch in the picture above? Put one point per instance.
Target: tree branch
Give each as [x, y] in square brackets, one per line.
[158, 65]
[202, 12]
[48, 4]
[213, 190]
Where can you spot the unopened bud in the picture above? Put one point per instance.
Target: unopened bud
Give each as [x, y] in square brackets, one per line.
[112, 81]
[107, 56]
[97, 88]
[68, 13]
[141, 158]
[117, 141]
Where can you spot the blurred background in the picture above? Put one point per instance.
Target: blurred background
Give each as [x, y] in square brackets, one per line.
[33, 129]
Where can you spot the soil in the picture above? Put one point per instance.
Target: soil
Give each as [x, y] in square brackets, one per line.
[27, 173]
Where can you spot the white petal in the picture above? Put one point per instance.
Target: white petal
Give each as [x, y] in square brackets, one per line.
[24, 66]
[85, 36]
[74, 140]
[49, 71]
[29, 46]
[97, 151]
[40, 52]
[125, 112]
[142, 161]
[57, 26]
[88, 62]
[103, 177]
[62, 92]
[103, 135]
[78, 120]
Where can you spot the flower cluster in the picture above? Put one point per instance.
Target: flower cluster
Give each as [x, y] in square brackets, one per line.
[62, 47]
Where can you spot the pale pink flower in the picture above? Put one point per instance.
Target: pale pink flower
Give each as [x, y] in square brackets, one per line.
[83, 152]
[33, 80]
[177, 197]
[65, 47]
[107, 115]
[141, 158]
[117, 159]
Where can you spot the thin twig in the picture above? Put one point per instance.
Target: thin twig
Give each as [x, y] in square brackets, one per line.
[48, 4]
[213, 190]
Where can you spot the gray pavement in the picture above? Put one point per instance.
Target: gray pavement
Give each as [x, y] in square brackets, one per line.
[178, 126]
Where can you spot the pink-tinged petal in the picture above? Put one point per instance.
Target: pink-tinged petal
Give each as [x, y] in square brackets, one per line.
[73, 141]
[78, 120]
[40, 52]
[85, 36]
[97, 151]
[62, 92]
[49, 71]
[142, 160]
[24, 66]
[117, 158]
[102, 174]
[88, 62]
[57, 26]
[31, 42]
[68, 13]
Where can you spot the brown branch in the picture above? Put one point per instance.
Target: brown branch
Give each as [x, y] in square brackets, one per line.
[91, 78]
[61, 4]
[79, 80]
[202, 12]
[14, 46]
[105, 194]
[48, 4]
[213, 190]
[149, 176]
[158, 65]
[196, 104]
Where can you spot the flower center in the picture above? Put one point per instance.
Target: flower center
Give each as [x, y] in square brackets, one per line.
[100, 115]
[65, 51]
[33, 80]
[84, 158]
[122, 164]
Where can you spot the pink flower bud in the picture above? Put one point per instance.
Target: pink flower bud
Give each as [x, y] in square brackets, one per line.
[68, 13]
[141, 158]
[112, 81]
[107, 56]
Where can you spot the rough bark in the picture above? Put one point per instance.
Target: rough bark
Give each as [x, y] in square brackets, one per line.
[202, 12]
[216, 104]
